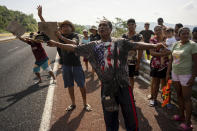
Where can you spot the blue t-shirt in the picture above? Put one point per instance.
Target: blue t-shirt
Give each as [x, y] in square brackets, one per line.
[84, 41]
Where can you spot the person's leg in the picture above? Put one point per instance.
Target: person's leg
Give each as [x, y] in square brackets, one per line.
[131, 75]
[72, 96]
[83, 93]
[155, 84]
[79, 77]
[39, 77]
[52, 74]
[46, 66]
[111, 120]
[177, 86]
[69, 82]
[187, 93]
[36, 70]
[128, 108]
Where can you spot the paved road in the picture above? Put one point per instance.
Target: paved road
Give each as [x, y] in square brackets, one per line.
[21, 101]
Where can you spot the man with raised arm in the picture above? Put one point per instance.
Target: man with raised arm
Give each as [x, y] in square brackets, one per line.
[72, 69]
[108, 57]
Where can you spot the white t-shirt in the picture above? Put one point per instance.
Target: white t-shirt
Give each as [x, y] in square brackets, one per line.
[170, 42]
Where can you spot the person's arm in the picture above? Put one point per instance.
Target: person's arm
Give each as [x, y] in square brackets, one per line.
[169, 68]
[27, 40]
[190, 83]
[140, 53]
[67, 47]
[59, 36]
[23, 39]
[154, 53]
[39, 8]
[146, 46]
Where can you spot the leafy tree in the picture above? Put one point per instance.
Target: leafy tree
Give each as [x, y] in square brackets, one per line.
[7, 15]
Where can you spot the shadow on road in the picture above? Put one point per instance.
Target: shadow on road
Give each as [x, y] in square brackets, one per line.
[14, 98]
[64, 125]
[92, 85]
[143, 122]
[141, 84]
[164, 118]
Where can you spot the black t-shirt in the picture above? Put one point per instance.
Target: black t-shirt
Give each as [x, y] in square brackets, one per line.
[132, 54]
[135, 38]
[147, 35]
[95, 37]
[70, 58]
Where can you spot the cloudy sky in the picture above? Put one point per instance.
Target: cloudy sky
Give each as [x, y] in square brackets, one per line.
[86, 12]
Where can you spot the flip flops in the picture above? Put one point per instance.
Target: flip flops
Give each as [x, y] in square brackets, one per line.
[178, 118]
[70, 107]
[88, 108]
[185, 127]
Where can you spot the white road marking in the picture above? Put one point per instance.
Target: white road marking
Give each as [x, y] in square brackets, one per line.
[46, 116]
[13, 49]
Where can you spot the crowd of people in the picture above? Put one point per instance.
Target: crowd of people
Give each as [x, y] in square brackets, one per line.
[116, 61]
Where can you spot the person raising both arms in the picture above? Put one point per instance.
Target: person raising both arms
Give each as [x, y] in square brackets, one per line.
[108, 57]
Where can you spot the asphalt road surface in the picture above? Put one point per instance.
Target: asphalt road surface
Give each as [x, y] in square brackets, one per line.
[21, 100]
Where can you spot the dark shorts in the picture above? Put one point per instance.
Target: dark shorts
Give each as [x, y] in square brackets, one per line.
[148, 52]
[132, 71]
[159, 74]
[71, 74]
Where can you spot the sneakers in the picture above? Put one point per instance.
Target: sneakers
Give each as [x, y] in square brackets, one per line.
[152, 103]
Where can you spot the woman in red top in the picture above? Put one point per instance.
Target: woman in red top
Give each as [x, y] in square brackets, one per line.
[158, 68]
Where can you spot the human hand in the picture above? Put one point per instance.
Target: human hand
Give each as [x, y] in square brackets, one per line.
[191, 81]
[39, 8]
[51, 43]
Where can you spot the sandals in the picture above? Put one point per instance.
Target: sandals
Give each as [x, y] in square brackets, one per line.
[178, 118]
[71, 108]
[185, 127]
[88, 108]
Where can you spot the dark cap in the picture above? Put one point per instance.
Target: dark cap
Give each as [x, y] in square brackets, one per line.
[160, 19]
[147, 23]
[130, 21]
[194, 29]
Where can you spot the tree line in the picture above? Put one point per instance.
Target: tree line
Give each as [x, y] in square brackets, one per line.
[6, 15]
[30, 24]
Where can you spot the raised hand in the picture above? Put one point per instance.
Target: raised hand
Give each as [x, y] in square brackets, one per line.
[39, 8]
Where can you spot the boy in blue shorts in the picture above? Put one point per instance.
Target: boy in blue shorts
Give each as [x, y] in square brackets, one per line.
[42, 60]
